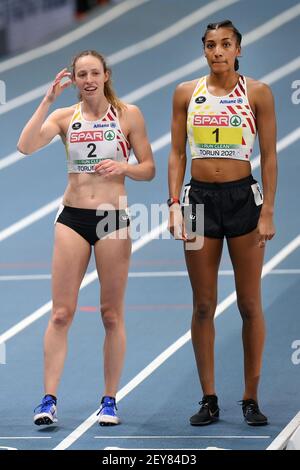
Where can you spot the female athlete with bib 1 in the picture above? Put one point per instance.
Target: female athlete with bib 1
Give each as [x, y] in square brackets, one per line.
[98, 133]
[220, 115]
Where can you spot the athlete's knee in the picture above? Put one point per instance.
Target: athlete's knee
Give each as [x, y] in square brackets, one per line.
[110, 317]
[249, 307]
[204, 309]
[62, 316]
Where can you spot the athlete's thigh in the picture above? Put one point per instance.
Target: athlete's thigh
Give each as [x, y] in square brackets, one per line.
[203, 267]
[112, 255]
[247, 260]
[71, 256]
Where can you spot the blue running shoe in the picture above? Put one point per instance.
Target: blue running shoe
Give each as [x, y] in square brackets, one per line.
[108, 412]
[46, 411]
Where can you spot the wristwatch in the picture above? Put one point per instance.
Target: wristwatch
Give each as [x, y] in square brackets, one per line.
[173, 200]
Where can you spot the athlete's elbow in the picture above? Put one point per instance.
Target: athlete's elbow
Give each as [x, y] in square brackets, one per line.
[24, 149]
[151, 172]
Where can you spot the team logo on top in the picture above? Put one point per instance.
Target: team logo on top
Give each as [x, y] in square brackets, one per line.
[200, 99]
[215, 120]
[86, 136]
[76, 126]
[235, 120]
[109, 135]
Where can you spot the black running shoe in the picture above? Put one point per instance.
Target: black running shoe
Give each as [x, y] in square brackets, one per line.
[252, 414]
[208, 413]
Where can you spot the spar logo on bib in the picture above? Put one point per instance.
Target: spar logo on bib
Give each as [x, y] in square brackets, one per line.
[214, 120]
[86, 136]
[109, 135]
[235, 120]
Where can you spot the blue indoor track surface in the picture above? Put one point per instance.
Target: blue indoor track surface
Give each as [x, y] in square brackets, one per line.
[155, 410]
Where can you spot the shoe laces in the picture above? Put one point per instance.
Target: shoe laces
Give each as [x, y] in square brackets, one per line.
[107, 404]
[47, 402]
[250, 406]
[205, 402]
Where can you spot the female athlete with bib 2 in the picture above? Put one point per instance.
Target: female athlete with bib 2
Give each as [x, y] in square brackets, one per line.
[98, 133]
[220, 115]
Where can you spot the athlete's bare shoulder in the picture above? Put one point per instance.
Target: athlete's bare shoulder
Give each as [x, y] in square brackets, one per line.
[61, 114]
[259, 93]
[129, 112]
[62, 117]
[130, 117]
[255, 87]
[187, 87]
[129, 109]
[184, 91]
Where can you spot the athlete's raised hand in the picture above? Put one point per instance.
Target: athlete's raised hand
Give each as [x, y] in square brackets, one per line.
[57, 87]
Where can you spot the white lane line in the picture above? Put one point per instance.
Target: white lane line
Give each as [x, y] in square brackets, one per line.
[285, 142]
[69, 38]
[18, 327]
[294, 440]
[195, 65]
[130, 51]
[12, 158]
[157, 145]
[116, 437]
[285, 271]
[26, 277]
[15, 157]
[281, 440]
[170, 32]
[30, 219]
[168, 352]
[176, 74]
[88, 279]
[25, 437]
[270, 78]
[281, 72]
[141, 274]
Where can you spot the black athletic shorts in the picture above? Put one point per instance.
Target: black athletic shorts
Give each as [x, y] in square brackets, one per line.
[231, 209]
[91, 224]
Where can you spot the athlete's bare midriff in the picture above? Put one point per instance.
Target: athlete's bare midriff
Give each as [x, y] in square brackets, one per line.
[214, 170]
[89, 190]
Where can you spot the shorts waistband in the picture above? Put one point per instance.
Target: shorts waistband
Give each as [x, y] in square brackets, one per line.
[80, 210]
[228, 184]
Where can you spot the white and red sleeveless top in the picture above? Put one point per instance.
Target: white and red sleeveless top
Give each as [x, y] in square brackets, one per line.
[89, 142]
[221, 126]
